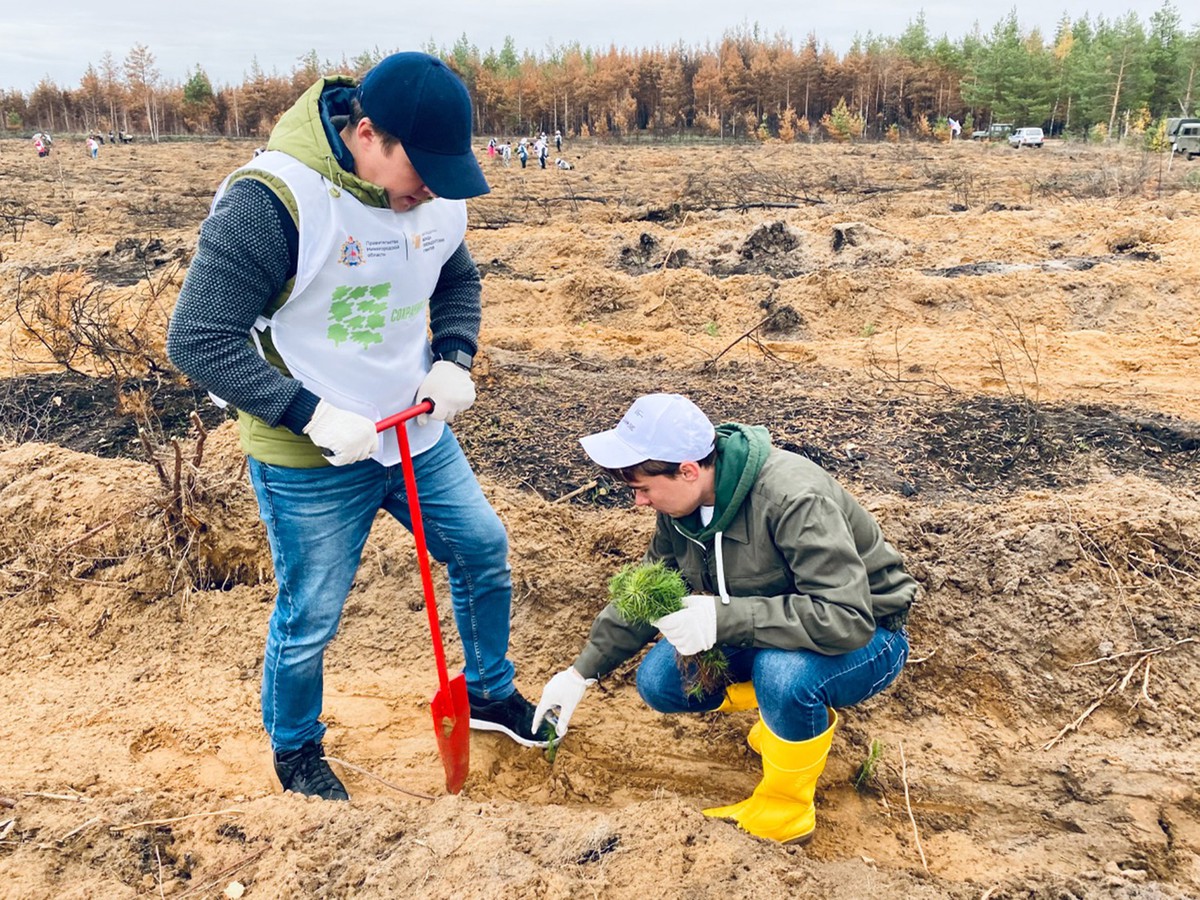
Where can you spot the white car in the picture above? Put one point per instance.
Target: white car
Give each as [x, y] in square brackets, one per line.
[1026, 137]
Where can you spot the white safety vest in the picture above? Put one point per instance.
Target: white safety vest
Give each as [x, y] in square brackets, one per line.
[354, 330]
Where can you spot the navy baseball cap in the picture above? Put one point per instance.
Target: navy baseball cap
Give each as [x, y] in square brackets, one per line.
[420, 101]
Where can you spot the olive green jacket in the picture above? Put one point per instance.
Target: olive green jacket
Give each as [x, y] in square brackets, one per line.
[805, 566]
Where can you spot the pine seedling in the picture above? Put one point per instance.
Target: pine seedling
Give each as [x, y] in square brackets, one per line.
[866, 772]
[645, 593]
[552, 744]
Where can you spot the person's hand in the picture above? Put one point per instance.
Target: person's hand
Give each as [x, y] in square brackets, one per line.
[450, 388]
[344, 437]
[563, 691]
[692, 629]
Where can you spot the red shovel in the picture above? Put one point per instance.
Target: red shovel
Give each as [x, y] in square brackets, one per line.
[450, 707]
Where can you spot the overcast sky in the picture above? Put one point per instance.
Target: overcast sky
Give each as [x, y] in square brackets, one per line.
[58, 39]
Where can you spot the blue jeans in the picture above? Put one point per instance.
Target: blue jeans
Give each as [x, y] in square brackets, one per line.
[794, 687]
[317, 523]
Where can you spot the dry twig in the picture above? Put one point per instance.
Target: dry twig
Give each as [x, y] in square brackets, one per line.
[86, 825]
[1118, 685]
[362, 771]
[582, 489]
[73, 798]
[219, 812]
[1165, 647]
[158, 857]
[908, 805]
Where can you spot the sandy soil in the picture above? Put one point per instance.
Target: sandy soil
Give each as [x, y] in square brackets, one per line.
[997, 350]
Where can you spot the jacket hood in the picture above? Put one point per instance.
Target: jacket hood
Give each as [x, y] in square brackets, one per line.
[741, 452]
[306, 132]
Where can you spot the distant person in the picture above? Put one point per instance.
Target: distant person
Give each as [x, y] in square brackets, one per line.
[523, 152]
[543, 151]
[562, 163]
[557, 141]
[93, 148]
[112, 138]
[363, 321]
[491, 150]
[955, 128]
[506, 153]
[40, 145]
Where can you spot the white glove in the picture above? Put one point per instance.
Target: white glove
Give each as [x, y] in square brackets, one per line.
[450, 388]
[692, 629]
[344, 437]
[563, 691]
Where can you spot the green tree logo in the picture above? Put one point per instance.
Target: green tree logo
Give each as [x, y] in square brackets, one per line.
[357, 313]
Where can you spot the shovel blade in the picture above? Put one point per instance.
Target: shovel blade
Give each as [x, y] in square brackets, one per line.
[451, 726]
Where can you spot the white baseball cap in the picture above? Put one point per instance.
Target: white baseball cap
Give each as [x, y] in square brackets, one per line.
[664, 427]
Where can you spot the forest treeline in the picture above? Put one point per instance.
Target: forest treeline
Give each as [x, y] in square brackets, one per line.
[1102, 78]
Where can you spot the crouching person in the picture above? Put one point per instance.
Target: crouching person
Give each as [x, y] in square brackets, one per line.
[791, 578]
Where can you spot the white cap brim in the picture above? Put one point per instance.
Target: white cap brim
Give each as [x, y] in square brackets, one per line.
[606, 449]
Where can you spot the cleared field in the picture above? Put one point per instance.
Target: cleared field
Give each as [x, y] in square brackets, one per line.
[996, 349]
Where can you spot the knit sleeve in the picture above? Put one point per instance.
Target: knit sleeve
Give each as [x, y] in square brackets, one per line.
[246, 254]
[455, 308]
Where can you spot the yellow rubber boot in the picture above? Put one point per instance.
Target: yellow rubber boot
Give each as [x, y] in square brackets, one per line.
[754, 738]
[781, 807]
[738, 697]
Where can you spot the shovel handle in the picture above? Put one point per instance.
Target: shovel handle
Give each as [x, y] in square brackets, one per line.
[418, 529]
[425, 406]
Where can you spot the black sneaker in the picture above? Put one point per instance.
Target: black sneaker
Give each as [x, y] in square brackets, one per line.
[304, 772]
[512, 716]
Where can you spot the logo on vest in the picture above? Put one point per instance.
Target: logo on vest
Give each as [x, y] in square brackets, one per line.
[352, 253]
[357, 314]
[428, 240]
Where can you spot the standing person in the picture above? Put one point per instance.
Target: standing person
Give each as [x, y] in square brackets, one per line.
[558, 140]
[955, 128]
[93, 148]
[543, 149]
[792, 579]
[40, 146]
[523, 152]
[318, 272]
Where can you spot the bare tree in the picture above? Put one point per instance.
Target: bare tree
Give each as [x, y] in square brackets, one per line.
[110, 79]
[142, 78]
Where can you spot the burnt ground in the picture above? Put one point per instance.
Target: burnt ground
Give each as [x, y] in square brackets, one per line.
[524, 427]
[84, 414]
[524, 430]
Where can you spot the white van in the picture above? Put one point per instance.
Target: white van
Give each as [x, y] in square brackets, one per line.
[1026, 137]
